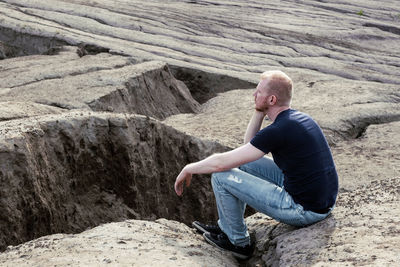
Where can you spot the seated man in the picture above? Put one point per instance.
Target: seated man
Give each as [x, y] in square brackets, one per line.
[297, 187]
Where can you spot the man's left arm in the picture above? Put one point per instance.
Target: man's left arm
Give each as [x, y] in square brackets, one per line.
[217, 163]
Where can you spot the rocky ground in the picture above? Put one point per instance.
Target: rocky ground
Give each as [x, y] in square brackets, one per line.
[362, 231]
[74, 154]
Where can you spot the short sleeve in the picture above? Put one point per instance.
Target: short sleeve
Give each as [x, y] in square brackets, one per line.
[267, 139]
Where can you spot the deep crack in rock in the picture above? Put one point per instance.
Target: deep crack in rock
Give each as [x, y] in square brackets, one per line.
[81, 169]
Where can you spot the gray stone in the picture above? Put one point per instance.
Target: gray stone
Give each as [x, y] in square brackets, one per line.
[100, 82]
[343, 58]
[362, 230]
[69, 171]
[127, 243]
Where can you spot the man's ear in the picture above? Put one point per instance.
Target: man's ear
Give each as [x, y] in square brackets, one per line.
[272, 100]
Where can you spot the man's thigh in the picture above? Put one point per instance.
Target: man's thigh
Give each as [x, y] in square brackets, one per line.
[260, 194]
[266, 169]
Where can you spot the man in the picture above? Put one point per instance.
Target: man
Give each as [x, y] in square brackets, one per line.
[298, 187]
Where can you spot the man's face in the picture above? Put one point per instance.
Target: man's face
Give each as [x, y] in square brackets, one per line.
[261, 96]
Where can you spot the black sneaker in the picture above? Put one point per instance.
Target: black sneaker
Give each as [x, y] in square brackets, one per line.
[206, 228]
[222, 241]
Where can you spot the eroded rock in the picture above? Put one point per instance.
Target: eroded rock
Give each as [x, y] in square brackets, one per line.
[128, 243]
[363, 230]
[238, 39]
[6, 51]
[68, 172]
[342, 57]
[100, 82]
[16, 110]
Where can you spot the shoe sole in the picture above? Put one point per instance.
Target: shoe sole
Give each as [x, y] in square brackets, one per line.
[199, 229]
[235, 254]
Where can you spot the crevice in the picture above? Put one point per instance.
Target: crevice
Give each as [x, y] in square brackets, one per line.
[359, 126]
[83, 169]
[386, 28]
[55, 104]
[91, 49]
[24, 44]
[77, 73]
[205, 85]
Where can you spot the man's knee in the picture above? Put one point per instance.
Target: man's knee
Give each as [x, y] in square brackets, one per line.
[214, 179]
[217, 178]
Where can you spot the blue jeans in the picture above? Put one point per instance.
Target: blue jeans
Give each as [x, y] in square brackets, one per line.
[260, 185]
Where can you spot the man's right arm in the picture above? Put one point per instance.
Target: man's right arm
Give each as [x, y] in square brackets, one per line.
[254, 126]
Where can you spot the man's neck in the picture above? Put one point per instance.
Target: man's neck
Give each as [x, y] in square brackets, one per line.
[274, 112]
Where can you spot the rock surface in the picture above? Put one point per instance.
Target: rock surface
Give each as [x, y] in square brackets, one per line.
[84, 169]
[11, 110]
[68, 172]
[101, 82]
[128, 243]
[356, 41]
[363, 230]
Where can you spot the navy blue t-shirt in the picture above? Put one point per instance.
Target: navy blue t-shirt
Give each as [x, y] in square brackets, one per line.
[300, 150]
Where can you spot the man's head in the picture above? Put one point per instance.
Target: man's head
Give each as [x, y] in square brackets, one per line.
[274, 89]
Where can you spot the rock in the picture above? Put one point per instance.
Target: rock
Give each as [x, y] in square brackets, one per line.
[237, 39]
[205, 85]
[127, 243]
[17, 110]
[354, 234]
[363, 230]
[71, 171]
[83, 170]
[6, 51]
[374, 155]
[100, 82]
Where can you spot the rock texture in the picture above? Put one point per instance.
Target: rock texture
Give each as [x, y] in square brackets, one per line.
[363, 230]
[11, 110]
[64, 173]
[100, 82]
[128, 243]
[356, 41]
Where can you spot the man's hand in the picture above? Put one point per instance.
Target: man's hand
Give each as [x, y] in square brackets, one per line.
[182, 177]
[254, 125]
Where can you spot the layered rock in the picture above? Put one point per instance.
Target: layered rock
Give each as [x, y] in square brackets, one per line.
[84, 170]
[100, 82]
[11, 110]
[68, 172]
[355, 41]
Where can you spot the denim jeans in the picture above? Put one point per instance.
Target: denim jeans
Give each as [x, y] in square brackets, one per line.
[260, 185]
